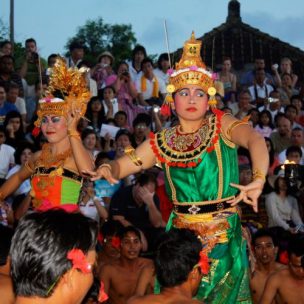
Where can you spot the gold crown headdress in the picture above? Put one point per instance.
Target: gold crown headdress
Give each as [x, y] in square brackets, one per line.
[189, 70]
[71, 85]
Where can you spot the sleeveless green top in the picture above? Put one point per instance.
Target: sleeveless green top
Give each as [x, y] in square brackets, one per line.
[199, 166]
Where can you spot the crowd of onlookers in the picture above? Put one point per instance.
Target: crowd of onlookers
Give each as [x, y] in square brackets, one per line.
[123, 109]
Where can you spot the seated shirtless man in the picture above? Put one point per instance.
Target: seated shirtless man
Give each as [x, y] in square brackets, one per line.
[287, 285]
[176, 267]
[265, 251]
[120, 278]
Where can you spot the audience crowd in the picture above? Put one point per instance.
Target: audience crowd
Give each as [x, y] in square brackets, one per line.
[131, 216]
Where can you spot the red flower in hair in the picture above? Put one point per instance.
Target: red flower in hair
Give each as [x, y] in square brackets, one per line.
[204, 263]
[283, 258]
[79, 260]
[115, 242]
[100, 238]
[102, 296]
[36, 131]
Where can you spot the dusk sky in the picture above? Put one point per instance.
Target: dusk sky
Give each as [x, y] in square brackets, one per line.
[51, 23]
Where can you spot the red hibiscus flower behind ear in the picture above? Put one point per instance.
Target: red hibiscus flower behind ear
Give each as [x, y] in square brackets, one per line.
[79, 261]
[36, 131]
[115, 242]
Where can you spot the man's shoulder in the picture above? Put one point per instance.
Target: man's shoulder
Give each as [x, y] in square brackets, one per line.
[7, 149]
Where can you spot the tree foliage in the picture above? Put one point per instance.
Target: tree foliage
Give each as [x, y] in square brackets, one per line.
[19, 49]
[97, 37]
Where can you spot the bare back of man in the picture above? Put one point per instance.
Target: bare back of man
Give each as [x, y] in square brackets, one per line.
[284, 288]
[121, 281]
[6, 289]
[258, 281]
[163, 299]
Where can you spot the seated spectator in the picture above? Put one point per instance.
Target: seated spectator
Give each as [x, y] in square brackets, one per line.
[138, 55]
[110, 102]
[90, 205]
[32, 102]
[13, 125]
[281, 138]
[229, 80]
[163, 66]
[287, 90]
[7, 159]
[240, 109]
[6, 285]
[286, 67]
[287, 285]
[23, 153]
[89, 140]
[273, 159]
[282, 208]
[260, 90]
[5, 107]
[265, 251]
[275, 106]
[253, 115]
[95, 113]
[63, 262]
[110, 241]
[121, 119]
[28, 66]
[248, 78]
[121, 277]
[76, 49]
[102, 72]
[8, 75]
[141, 129]
[12, 97]
[138, 206]
[297, 139]
[6, 48]
[91, 83]
[291, 113]
[265, 126]
[297, 102]
[126, 93]
[151, 91]
[177, 269]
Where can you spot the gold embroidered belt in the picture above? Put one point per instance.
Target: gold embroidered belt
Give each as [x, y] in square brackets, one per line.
[203, 207]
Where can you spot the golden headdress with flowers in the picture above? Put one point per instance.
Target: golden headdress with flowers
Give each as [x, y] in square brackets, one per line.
[67, 91]
[189, 70]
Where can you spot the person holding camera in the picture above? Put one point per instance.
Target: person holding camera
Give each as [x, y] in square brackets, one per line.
[126, 93]
[30, 66]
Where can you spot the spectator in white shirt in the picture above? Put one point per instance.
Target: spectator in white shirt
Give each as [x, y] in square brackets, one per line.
[151, 91]
[260, 90]
[282, 208]
[91, 205]
[163, 66]
[7, 159]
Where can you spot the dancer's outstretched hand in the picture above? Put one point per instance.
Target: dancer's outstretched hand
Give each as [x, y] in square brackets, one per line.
[101, 172]
[249, 194]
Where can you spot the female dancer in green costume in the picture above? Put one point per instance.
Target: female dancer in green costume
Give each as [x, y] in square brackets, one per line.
[200, 163]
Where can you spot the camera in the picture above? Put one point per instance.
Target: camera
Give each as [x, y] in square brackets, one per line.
[125, 73]
[34, 57]
[271, 99]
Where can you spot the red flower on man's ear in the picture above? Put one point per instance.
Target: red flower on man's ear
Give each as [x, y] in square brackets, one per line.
[79, 260]
[115, 242]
